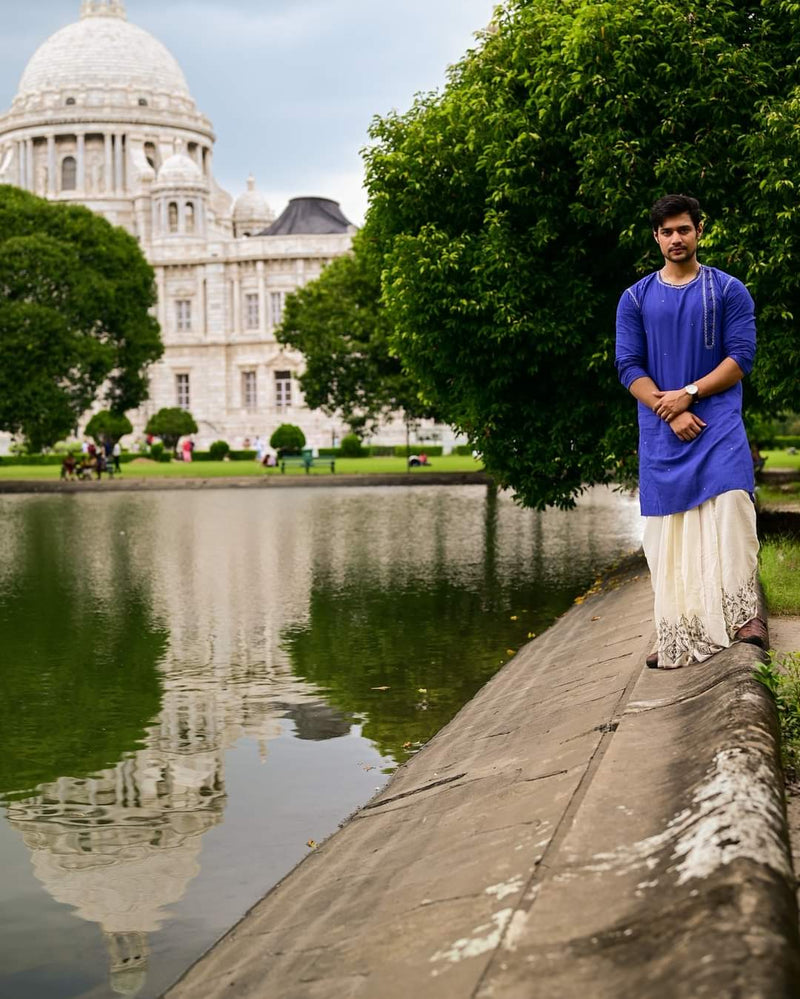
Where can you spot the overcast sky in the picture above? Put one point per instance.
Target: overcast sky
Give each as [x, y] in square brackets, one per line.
[290, 85]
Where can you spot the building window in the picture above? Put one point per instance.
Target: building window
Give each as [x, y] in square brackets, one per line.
[183, 314]
[69, 173]
[182, 390]
[172, 216]
[142, 102]
[283, 389]
[277, 298]
[249, 394]
[190, 216]
[70, 101]
[251, 311]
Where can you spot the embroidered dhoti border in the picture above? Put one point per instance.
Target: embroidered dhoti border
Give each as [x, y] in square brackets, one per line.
[703, 564]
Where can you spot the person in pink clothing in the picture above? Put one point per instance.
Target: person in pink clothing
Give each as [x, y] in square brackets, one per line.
[187, 450]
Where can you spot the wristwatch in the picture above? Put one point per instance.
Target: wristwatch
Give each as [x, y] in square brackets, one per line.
[692, 391]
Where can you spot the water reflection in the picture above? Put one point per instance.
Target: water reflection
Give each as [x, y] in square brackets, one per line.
[147, 638]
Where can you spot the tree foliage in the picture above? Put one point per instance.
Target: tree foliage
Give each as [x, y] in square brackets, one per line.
[287, 438]
[75, 322]
[340, 325]
[107, 426]
[170, 424]
[510, 211]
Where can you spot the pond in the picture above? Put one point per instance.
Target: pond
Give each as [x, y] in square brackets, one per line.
[197, 686]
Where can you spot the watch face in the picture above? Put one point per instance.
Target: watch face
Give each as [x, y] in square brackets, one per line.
[691, 389]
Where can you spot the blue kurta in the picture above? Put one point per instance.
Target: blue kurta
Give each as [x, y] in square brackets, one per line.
[675, 335]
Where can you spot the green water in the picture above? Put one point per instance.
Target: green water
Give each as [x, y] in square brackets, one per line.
[195, 685]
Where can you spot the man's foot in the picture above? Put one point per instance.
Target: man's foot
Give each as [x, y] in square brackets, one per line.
[652, 660]
[754, 632]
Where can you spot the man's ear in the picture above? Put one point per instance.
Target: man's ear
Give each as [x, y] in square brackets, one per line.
[700, 229]
[655, 234]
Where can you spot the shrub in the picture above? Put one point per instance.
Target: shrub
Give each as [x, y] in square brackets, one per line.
[218, 450]
[782, 442]
[170, 424]
[352, 447]
[106, 425]
[381, 450]
[401, 451]
[287, 439]
[462, 449]
[156, 451]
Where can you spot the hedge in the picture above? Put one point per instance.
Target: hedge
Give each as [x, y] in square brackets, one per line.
[401, 451]
[780, 443]
[52, 459]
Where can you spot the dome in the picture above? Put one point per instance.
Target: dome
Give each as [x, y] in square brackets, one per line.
[103, 52]
[252, 205]
[178, 171]
[310, 216]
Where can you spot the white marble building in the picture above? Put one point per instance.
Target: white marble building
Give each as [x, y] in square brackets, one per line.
[103, 117]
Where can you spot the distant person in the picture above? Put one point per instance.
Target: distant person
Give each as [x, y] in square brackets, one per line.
[117, 454]
[68, 467]
[187, 450]
[100, 464]
[686, 337]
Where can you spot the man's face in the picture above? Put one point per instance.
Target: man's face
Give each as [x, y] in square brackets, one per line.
[677, 238]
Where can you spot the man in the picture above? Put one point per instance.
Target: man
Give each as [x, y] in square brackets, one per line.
[685, 340]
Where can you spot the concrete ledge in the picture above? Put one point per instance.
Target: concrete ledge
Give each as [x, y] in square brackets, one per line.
[584, 827]
[130, 483]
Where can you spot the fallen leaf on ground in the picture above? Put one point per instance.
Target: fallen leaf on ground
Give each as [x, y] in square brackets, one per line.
[379, 688]
[596, 617]
[311, 844]
[513, 617]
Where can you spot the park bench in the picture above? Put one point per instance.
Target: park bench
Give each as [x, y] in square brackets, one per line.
[307, 460]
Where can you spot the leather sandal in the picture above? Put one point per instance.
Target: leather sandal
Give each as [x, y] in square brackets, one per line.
[753, 632]
[652, 661]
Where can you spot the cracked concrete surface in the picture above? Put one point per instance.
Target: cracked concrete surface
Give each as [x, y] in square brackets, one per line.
[573, 832]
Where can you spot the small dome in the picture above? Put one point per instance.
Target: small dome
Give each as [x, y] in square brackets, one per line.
[252, 205]
[179, 171]
[310, 216]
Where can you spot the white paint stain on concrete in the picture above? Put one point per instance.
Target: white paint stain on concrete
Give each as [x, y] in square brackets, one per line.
[511, 887]
[734, 814]
[482, 939]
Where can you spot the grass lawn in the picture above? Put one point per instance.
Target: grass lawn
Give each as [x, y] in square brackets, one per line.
[231, 469]
[787, 494]
[781, 459]
[779, 562]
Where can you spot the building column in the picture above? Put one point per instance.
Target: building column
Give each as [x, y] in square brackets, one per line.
[200, 274]
[118, 163]
[21, 175]
[52, 181]
[161, 284]
[237, 301]
[182, 216]
[81, 162]
[108, 170]
[29, 165]
[262, 298]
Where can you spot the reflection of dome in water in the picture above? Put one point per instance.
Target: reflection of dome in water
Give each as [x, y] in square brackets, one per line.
[128, 953]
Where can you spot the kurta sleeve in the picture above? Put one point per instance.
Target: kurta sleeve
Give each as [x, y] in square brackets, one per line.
[631, 343]
[739, 325]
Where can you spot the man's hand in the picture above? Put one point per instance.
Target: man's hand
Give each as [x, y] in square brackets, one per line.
[671, 404]
[687, 426]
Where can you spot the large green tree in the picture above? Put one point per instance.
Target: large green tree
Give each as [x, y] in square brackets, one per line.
[340, 325]
[510, 211]
[75, 320]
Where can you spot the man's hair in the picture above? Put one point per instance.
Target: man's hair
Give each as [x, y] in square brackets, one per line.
[674, 204]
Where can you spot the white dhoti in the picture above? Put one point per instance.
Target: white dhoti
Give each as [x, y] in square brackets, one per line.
[703, 563]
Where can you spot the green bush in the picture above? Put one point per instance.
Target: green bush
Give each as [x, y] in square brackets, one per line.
[287, 439]
[218, 450]
[782, 442]
[156, 451]
[463, 449]
[242, 455]
[432, 451]
[381, 450]
[352, 447]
